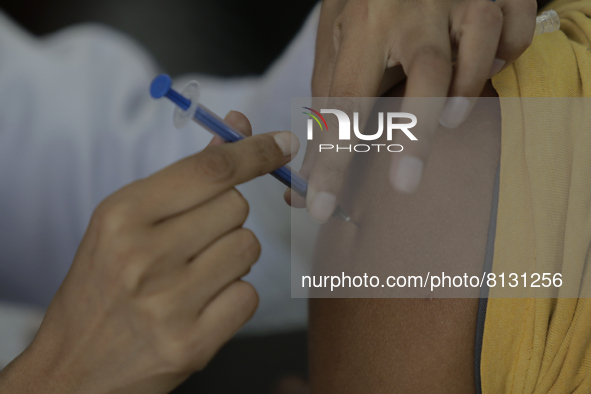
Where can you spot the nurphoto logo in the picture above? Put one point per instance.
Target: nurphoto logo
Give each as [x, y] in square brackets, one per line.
[344, 131]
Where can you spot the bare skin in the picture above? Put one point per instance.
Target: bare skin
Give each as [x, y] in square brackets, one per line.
[408, 345]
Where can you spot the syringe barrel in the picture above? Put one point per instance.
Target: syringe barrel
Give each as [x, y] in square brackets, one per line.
[217, 126]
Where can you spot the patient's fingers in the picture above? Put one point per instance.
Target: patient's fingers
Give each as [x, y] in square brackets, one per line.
[477, 28]
[357, 73]
[360, 40]
[519, 22]
[427, 62]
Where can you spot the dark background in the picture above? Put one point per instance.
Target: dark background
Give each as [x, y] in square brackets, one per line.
[222, 37]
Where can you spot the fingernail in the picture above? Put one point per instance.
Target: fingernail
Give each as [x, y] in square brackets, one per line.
[230, 116]
[323, 205]
[454, 112]
[287, 142]
[408, 175]
[496, 67]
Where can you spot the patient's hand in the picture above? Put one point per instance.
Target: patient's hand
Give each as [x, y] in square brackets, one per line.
[365, 47]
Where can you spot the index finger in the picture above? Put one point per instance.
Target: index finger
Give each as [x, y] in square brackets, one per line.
[198, 178]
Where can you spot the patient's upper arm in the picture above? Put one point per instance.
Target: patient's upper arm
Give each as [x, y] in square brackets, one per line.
[400, 344]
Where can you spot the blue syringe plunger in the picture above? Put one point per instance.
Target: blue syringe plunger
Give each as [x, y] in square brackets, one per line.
[161, 86]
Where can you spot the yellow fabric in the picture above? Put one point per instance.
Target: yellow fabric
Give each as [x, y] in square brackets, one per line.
[541, 345]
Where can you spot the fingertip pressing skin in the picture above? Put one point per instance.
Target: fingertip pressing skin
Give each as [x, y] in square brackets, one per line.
[455, 112]
[407, 177]
[322, 206]
[497, 66]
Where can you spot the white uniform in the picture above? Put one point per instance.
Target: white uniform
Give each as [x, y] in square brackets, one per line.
[77, 123]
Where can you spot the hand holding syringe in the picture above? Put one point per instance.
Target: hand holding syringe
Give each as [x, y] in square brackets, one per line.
[190, 108]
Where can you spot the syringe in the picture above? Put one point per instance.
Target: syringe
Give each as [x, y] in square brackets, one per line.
[188, 107]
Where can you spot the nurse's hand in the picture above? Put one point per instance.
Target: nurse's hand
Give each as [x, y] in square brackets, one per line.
[154, 290]
[364, 47]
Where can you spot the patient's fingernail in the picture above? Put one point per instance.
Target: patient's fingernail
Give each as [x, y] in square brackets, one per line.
[323, 205]
[287, 142]
[408, 174]
[496, 67]
[454, 112]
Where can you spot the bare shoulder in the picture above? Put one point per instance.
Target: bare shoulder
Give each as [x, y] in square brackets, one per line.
[400, 344]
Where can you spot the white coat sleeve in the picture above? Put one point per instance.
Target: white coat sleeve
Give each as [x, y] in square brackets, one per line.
[77, 123]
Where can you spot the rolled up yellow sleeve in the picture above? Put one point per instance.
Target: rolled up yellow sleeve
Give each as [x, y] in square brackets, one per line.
[542, 345]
